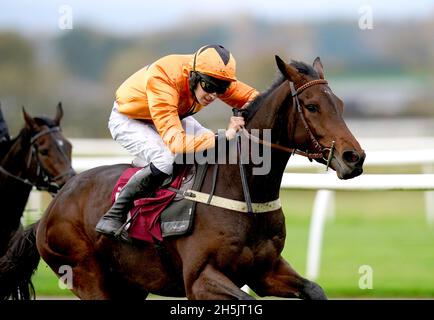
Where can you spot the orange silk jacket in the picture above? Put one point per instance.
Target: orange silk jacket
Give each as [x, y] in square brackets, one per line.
[160, 93]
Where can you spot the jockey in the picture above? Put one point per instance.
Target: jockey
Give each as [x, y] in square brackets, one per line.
[154, 107]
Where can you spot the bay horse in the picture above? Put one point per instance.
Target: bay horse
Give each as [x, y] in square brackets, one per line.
[39, 156]
[227, 249]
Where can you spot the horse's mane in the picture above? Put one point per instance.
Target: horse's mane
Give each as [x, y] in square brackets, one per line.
[258, 101]
[301, 67]
[5, 147]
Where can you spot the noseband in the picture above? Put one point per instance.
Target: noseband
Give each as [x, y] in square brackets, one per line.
[49, 183]
[320, 150]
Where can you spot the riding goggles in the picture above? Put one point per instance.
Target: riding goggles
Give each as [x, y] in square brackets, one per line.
[211, 87]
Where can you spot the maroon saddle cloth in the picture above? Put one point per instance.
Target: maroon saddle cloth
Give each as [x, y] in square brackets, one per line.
[145, 224]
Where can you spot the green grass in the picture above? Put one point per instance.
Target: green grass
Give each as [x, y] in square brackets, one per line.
[385, 230]
[46, 282]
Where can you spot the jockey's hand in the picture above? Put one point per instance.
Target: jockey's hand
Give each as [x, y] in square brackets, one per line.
[235, 124]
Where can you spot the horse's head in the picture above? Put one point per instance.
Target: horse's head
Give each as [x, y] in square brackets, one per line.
[319, 125]
[51, 151]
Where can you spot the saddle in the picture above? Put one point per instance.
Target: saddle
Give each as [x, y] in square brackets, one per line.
[166, 212]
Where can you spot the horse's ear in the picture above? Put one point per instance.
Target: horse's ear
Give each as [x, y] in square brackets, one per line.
[30, 122]
[280, 64]
[59, 113]
[317, 65]
[287, 70]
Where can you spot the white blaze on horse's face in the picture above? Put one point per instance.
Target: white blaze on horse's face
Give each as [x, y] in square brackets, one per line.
[327, 91]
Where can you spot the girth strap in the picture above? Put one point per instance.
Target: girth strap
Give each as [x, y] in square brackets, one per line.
[214, 182]
[243, 175]
[230, 204]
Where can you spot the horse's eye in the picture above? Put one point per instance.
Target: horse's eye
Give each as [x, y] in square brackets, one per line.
[43, 152]
[312, 108]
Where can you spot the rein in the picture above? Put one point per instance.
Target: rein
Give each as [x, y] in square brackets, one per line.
[247, 205]
[49, 182]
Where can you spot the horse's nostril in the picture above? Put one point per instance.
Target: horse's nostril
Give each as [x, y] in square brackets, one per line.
[351, 156]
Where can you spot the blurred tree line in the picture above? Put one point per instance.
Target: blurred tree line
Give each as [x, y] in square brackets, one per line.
[83, 67]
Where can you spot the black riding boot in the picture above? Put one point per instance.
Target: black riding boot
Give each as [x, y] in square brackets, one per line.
[141, 184]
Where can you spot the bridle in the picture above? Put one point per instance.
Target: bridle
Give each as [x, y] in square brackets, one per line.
[48, 183]
[319, 150]
[207, 198]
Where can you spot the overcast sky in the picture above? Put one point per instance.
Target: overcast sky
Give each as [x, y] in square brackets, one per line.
[140, 15]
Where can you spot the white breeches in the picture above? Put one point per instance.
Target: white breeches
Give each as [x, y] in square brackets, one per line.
[142, 140]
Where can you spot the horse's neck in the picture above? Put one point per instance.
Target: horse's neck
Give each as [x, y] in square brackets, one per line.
[14, 193]
[265, 186]
[16, 161]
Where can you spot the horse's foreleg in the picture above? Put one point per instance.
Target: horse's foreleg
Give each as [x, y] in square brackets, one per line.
[88, 284]
[211, 284]
[284, 281]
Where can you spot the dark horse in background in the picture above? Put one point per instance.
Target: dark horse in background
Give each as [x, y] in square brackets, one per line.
[227, 249]
[39, 157]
